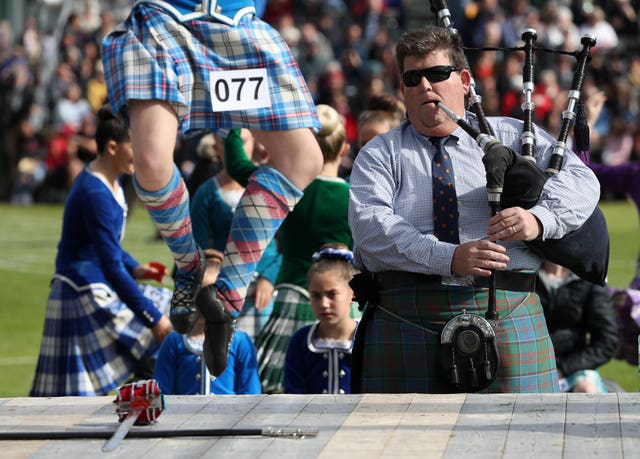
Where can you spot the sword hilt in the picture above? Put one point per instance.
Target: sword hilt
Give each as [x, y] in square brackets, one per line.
[145, 394]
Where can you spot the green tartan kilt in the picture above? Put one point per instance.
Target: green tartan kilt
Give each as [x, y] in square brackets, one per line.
[398, 357]
[291, 311]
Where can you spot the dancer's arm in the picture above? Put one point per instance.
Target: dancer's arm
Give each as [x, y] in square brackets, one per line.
[238, 164]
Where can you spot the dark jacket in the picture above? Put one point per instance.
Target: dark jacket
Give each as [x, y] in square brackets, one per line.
[582, 324]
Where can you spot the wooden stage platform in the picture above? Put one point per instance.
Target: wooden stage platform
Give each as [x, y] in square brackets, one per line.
[348, 426]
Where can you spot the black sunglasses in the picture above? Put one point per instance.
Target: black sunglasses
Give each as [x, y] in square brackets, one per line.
[434, 74]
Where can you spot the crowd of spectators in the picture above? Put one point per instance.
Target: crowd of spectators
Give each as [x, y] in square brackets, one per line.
[345, 49]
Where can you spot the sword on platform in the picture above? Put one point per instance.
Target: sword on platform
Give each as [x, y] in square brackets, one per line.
[123, 429]
[141, 403]
[273, 432]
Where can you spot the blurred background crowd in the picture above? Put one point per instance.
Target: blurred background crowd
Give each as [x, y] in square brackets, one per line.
[52, 81]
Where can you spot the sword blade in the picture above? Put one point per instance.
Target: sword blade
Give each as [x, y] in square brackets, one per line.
[123, 429]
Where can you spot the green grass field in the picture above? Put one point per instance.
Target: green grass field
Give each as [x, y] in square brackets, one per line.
[28, 239]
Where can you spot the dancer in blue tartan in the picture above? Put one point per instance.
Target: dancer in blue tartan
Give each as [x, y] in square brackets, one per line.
[99, 321]
[189, 65]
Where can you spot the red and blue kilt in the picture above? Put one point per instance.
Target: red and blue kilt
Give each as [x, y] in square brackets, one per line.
[153, 56]
[402, 358]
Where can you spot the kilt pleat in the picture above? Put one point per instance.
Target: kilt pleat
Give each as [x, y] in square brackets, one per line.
[402, 358]
[153, 56]
[291, 311]
[91, 339]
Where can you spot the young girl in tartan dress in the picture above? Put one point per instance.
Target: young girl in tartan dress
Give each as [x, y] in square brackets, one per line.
[318, 358]
[99, 322]
[319, 218]
[192, 65]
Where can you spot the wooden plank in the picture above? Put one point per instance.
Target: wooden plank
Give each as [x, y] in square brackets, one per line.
[196, 412]
[50, 414]
[536, 428]
[426, 426]
[592, 426]
[395, 424]
[44, 414]
[365, 433]
[181, 412]
[355, 426]
[482, 427]
[272, 411]
[103, 418]
[328, 413]
[629, 406]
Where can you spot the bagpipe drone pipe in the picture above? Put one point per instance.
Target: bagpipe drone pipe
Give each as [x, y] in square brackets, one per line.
[515, 179]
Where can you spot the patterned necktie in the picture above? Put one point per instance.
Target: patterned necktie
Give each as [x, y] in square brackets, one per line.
[445, 202]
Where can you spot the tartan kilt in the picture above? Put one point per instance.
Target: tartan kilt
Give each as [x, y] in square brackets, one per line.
[291, 311]
[252, 321]
[91, 339]
[401, 358]
[153, 56]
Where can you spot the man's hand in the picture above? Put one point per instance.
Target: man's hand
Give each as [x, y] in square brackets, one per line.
[478, 258]
[514, 224]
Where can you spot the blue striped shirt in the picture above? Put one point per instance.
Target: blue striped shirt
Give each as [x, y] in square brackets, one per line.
[391, 213]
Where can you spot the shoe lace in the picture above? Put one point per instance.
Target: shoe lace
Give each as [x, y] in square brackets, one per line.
[183, 288]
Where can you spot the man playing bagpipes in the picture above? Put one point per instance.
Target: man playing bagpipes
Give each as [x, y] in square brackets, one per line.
[434, 259]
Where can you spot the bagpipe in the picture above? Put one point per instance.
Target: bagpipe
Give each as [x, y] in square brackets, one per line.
[515, 180]
[469, 350]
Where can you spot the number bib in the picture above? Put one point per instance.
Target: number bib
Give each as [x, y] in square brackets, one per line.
[239, 90]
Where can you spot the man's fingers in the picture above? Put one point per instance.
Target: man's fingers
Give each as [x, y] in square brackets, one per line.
[490, 247]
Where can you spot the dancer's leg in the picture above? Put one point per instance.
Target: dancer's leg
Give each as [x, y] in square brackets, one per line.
[295, 153]
[273, 191]
[162, 190]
